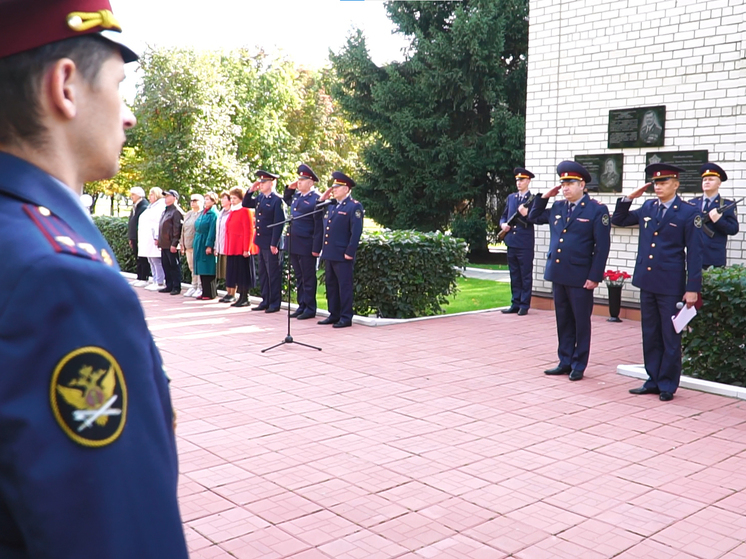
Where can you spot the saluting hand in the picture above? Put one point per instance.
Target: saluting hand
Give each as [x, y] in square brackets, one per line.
[636, 193]
[293, 185]
[254, 187]
[552, 191]
[326, 195]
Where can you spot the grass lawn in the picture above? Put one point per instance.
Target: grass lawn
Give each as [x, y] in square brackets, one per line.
[488, 266]
[473, 295]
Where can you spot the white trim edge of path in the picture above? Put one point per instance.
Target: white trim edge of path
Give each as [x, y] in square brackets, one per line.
[638, 372]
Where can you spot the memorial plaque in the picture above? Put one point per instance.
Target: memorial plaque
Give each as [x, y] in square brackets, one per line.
[605, 170]
[690, 161]
[637, 128]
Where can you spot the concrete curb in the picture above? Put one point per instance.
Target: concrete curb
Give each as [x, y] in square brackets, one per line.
[638, 372]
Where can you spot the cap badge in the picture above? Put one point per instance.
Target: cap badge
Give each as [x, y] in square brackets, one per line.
[83, 21]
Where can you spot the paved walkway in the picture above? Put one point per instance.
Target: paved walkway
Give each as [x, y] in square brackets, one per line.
[439, 439]
[494, 275]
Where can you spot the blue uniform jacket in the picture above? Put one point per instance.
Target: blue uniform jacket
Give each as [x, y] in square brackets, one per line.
[268, 210]
[578, 248]
[669, 254]
[714, 249]
[88, 464]
[522, 234]
[343, 225]
[306, 232]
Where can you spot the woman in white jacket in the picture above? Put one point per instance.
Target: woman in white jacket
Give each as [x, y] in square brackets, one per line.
[147, 237]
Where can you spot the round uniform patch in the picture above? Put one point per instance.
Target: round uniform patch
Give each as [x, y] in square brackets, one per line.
[89, 397]
[358, 214]
[698, 221]
[605, 220]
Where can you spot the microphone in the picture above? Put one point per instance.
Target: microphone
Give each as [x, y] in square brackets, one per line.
[680, 305]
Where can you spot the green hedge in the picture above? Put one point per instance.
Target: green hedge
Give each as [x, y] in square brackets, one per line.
[405, 274]
[715, 344]
[114, 230]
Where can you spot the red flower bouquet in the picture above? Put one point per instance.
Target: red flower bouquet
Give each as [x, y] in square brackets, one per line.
[615, 277]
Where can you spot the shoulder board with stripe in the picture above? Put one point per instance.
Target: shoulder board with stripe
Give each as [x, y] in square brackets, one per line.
[61, 237]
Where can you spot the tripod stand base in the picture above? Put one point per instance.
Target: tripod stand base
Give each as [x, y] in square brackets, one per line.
[289, 340]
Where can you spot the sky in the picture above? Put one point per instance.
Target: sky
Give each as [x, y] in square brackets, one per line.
[303, 31]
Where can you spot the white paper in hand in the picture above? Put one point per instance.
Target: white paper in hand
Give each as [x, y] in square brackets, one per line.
[683, 317]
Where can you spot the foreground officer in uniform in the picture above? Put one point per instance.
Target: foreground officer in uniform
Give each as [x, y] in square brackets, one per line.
[578, 248]
[720, 225]
[519, 239]
[343, 225]
[664, 273]
[268, 210]
[305, 234]
[88, 464]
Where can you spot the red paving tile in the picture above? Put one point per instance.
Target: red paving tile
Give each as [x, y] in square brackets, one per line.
[437, 439]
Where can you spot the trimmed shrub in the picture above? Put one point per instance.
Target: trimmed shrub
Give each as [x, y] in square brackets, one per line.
[405, 274]
[114, 230]
[715, 344]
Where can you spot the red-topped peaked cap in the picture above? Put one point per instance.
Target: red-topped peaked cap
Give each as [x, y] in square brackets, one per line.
[28, 24]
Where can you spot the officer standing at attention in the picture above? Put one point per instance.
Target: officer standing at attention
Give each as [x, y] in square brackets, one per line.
[578, 248]
[88, 463]
[719, 224]
[268, 210]
[305, 232]
[520, 242]
[668, 270]
[343, 225]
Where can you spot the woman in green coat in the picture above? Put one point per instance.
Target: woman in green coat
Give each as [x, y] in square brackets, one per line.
[204, 247]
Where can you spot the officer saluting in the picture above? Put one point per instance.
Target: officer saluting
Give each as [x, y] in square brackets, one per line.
[519, 238]
[88, 464]
[668, 269]
[268, 209]
[305, 234]
[343, 225]
[716, 226]
[578, 248]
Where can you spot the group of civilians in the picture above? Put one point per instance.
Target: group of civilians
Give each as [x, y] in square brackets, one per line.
[217, 245]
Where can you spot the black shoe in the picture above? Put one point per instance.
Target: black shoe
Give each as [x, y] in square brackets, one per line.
[559, 370]
[241, 303]
[643, 390]
[664, 397]
[165, 290]
[306, 315]
[176, 292]
[576, 375]
[228, 299]
[272, 309]
[259, 308]
[341, 324]
[511, 310]
[328, 320]
[297, 313]
[523, 312]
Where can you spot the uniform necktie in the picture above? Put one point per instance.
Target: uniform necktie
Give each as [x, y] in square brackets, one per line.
[707, 205]
[661, 211]
[570, 208]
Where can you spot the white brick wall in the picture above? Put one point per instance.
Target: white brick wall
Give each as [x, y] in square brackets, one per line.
[588, 57]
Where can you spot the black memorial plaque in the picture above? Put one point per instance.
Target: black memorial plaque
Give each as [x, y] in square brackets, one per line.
[637, 128]
[690, 161]
[605, 170]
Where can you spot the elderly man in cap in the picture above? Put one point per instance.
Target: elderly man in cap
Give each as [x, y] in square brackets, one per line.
[578, 248]
[668, 270]
[269, 212]
[169, 237]
[343, 225]
[519, 238]
[139, 204]
[718, 216]
[305, 234]
[88, 463]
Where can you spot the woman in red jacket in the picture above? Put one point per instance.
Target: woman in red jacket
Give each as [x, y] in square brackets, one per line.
[240, 273]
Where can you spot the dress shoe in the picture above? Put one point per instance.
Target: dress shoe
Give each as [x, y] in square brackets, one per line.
[576, 375]
[523, 312]
[306, 315]
[204, 298]
[666, 397]
[259, 308]
[297, 313]
[511, 310]
[341, 324]
[165, 290]
[241, 303]
[176, 292]
[272, 309]
[328, 320]
[228, 299]
[644, 390]
[559, 370]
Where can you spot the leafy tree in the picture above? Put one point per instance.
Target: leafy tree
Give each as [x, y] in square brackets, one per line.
[446, 126]
[118, 186]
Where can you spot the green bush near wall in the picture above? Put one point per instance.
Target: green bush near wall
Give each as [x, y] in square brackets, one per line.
[114, 230]
[715, 345]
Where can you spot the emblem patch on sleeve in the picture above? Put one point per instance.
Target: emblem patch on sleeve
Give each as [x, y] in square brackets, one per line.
[358, 214]
[89, 397]
[698, 221]
[605, 220]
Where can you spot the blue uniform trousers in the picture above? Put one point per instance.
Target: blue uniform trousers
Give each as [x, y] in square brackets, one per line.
[573, 307]
[339, 289]
[171, 269]
[521, 265]
[269, 278]
[305, 276]
[661, 345]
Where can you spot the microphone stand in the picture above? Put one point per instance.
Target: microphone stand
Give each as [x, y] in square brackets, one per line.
[288, 338]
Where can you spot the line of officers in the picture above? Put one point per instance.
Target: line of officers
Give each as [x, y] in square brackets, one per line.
[677, 240]
[325, 225]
